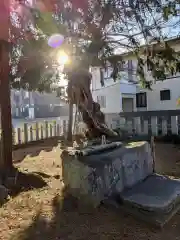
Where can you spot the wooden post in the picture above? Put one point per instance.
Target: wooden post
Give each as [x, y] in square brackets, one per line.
[5, 93]
[5, 102]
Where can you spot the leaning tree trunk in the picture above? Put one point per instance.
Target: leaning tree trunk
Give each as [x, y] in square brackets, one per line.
[79, 93]
[5, 103]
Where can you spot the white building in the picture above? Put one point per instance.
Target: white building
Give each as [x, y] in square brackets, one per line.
[34, 104]
[113, 97]
[165, 94]
[125, 96]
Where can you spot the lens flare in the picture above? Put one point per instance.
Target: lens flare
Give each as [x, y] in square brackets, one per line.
[62, 58]
[56, 40]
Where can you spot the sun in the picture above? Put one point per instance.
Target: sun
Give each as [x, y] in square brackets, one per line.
[62, 58]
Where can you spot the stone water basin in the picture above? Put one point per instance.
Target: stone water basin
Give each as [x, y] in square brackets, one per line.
[95, 177]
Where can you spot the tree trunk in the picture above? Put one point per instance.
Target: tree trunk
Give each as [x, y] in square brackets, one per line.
[70, 122]
[5, 103]
[79, 93]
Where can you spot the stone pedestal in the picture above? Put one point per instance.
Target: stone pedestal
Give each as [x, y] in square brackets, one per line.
[94, 178]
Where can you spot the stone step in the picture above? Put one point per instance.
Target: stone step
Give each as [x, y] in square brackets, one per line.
[155, 200]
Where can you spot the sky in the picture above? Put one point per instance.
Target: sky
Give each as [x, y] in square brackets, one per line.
[169, 29]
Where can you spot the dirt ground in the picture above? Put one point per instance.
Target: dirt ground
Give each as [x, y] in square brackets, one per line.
[41, 213]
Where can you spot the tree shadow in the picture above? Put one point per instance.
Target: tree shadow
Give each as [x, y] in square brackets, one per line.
[35, 149]
[63, 209]
[47, 145]
[45, 175]
[22, 182]
[69, 221]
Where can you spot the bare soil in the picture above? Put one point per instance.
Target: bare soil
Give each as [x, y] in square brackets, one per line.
[41, 211]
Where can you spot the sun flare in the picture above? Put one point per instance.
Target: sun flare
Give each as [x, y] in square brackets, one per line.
[62, 58]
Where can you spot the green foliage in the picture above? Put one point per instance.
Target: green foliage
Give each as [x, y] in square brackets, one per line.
[33, 65]
[93, 31]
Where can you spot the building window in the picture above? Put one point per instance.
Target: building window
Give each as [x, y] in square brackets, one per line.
[141, 100]
[165, 95]
[102, 101]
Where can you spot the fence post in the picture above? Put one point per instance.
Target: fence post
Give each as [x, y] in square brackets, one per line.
[19, 135]
[133, 126]
[64, 128]
[149, 127]
[37, 131]
[55, 129]
[46, 129]
[174, 124]
[138, 125]
[42, 134]
[25, 133]
[58, 129]
[50, 130]
[129, 125]
[169, 129]
[154, 125]
[145, 126]
[13, 136]
[31, 133]
[164, 126]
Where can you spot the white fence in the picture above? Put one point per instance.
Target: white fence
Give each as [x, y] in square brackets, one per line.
[152, 122]
[142, 123]
[29, 132]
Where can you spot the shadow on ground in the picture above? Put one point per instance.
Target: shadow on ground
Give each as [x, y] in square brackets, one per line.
[47, 145]
[71, 222]
[41, 228]
[63, 217]
[35, 150]
[22, 182]
[167, 159]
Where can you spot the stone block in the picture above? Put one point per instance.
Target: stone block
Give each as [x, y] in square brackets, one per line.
[154, 200]
[95, 177]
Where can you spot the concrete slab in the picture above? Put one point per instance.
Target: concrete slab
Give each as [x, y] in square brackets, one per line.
[156, 199]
